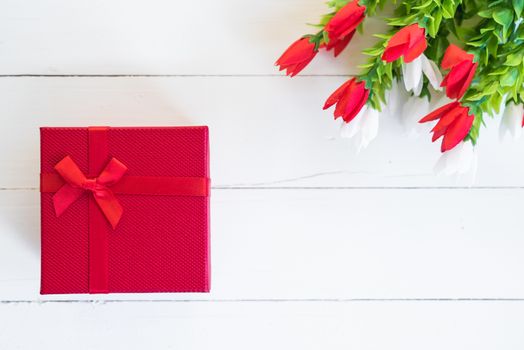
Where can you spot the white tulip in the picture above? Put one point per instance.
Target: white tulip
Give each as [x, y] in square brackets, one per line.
[511, 121]
[413, 71]
[362, 129]
[413, 110]
[460, 160]
[395, 99]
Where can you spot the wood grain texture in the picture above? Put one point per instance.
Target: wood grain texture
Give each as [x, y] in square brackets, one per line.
[313, 246]
[162, 37]
[263, 325]
[324, 244]
[264, 131]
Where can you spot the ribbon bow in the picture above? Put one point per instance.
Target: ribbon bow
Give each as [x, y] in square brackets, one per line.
[77, 183]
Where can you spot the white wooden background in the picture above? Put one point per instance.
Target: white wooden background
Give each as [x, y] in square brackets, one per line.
[313, 247]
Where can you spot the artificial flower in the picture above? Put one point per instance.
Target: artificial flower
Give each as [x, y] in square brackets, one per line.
[512, 120]
[412, 110]
[349, 98]
[454, 124]
[363, 129]
[297, 56]
[341, 27]
[339, 45]
[408, 42]
[460, 160]
[413, 74]
[462, 70]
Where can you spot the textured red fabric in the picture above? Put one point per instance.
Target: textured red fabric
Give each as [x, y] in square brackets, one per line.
[161, 243]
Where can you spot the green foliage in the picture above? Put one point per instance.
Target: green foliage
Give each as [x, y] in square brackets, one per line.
[488, 29]
[492, 30]
[372, 6]
[499, 49]
[378, 74]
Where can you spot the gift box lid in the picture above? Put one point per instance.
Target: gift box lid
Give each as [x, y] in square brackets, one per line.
[161, 241]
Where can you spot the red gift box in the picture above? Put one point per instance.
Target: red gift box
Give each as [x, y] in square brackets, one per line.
[124, 210]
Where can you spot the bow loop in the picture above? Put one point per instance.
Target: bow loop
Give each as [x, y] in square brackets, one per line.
[77, 183]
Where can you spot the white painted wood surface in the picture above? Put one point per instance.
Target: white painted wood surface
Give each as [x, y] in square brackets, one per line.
[313, 246]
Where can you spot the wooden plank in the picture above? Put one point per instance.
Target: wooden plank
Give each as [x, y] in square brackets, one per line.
[264, 131]
[263, 325]
[163, 37]
[324, 244]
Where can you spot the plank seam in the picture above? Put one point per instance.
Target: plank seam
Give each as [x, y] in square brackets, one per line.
[328, 188]
[24, 75]
[350, 300]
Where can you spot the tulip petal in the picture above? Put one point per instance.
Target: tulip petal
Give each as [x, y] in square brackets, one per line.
[416, 50]
[395, 99]
[401, 37]
[418, 89]
[457, 161]
[369, 127]
[409, 41]
[457, 131]
[412, 111]
[511, 121]
[335, 96]
[340, 108]
[438, 113]
[467, 82]
[412, 74]
[431, 71]
[341, 45]
[297, 56]
[356, 100]
[345, 20]
[447, 119]
[455, 55]
[393, 53]
[456, 78]
[349, 130]
[297, 52]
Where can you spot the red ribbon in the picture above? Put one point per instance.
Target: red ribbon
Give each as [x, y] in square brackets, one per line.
[77, 183]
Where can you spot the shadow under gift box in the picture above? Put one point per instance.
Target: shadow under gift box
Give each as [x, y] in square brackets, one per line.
[161, 242]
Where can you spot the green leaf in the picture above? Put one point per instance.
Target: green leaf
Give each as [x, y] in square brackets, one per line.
[382, 36]
[518, 6]
[496, 102]
[374, 51]
[448, 9]
[486, 13]
[499, 71]
[496, 3]
[487, 29]
[504, 17]
[514, 59]
[492, 47]
[424, 5]
[510, 78]
[473, 134]
[476, 43]
[434, 24]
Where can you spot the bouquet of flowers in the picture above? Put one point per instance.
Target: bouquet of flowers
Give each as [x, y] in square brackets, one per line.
[471, 49]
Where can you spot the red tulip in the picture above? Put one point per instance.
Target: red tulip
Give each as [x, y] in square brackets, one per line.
[454, 124]
[343, 24]
[409, 42]
[349, 98]
[339, 45]
[297, 56]
[462, 71]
